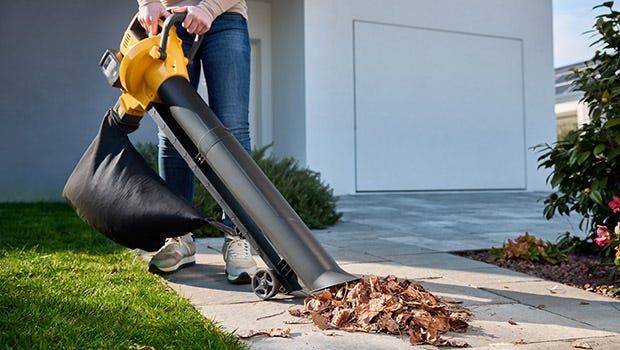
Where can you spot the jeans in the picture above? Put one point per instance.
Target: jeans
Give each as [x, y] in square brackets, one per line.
[225, 59]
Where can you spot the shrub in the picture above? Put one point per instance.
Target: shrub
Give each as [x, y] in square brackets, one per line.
[585, 167]
[528, 247]
[312, 199]
[148, 150]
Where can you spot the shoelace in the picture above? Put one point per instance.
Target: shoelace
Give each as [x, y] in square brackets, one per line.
[238, 249]
[170, 244]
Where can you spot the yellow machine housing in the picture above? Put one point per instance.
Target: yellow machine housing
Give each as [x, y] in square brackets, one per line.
[141, 66]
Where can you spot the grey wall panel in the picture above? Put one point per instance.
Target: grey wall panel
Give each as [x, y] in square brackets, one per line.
[52, 95]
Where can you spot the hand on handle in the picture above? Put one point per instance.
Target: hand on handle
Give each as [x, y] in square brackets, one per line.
[149, 15]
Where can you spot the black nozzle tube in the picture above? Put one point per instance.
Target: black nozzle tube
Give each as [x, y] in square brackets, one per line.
[257, 198]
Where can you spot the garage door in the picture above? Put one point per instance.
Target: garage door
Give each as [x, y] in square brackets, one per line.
[437, 110]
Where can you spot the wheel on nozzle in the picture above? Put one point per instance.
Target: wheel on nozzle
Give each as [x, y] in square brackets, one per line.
[265, 284]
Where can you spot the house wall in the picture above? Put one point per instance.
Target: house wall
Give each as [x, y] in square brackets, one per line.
[516, 36]
[288, 79]
[261, 111]
[53, 96]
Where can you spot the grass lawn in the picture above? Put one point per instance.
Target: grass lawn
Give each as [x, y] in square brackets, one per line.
[65, 286]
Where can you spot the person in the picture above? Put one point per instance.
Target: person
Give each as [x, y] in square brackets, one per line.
[225, 58]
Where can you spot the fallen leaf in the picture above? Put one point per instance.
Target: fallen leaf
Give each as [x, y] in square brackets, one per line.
[320, 321]
[453, 343]
[141, 347]
[341, 317]
[518, 342]
[541, 306]
[387, 305]
[580, 345]
[512, 322]
[281, 332]
[295, 312]
[584, 303]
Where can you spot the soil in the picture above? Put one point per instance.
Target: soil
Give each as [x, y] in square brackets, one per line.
[588, 272]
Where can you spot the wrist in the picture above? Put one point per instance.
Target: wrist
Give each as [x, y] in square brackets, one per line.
[142, 3]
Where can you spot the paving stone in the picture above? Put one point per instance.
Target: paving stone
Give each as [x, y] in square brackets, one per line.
[436, 259]
[386, 268]
[408, 235]
[465, 296]
[379, 247]
[493, 325]
[576, 304]
[482, 277]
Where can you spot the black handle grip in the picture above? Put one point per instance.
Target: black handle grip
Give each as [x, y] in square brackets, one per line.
[168, 23]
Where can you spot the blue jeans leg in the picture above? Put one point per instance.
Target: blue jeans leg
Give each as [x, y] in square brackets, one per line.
[224, 57]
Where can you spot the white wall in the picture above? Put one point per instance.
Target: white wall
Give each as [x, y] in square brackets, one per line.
[261, 112]
[330, 99]
[288, 88]
[53, 96]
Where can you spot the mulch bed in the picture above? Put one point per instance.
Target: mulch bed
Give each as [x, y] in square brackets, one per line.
[589, 272]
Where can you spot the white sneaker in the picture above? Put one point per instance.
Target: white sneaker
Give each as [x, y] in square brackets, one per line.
[240, 266]
[177, 253]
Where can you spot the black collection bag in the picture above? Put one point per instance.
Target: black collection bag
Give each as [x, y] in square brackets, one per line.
[114, 190]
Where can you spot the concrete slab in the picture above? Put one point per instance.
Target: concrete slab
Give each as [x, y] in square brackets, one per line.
[385, 268]
[407, 235]
[573, 303]
[505, 324]
[467, 297]
[438, 260]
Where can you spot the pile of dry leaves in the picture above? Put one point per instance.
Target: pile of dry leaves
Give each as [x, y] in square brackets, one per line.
[386, 305]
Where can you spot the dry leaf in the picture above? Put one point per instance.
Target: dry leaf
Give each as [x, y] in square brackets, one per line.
[320, 321]
[341, 317]
[580, 345]
[518, 342]
[295, 312]
[283, 332]
[512, 322]
[141, 347]
[584, 303]
[541, 306]
[386, 305]
[453, 343]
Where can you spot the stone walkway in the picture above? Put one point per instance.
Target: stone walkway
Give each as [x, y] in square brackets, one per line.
[409, 236]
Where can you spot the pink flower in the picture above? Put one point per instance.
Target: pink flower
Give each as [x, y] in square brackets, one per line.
[604, 236]
[601, 241]
[614, 205]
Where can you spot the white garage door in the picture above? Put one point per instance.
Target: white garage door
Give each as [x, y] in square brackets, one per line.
[437, 110]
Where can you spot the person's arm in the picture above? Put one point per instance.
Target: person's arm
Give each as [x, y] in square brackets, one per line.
[149, 12]
[200, 17]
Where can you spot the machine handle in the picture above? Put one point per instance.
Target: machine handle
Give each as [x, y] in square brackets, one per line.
[168, 23]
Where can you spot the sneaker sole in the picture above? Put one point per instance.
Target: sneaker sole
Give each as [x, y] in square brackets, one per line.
[183, 263]
[243, 278]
